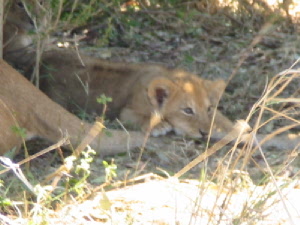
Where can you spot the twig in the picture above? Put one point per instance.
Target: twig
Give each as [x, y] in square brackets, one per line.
[6, 162]
[44, 151]
[128, 137]
[274, 181]
[142, 178]
[1, 27]
[94, 131]
[58, 14]
[154, 120]
[239, 129]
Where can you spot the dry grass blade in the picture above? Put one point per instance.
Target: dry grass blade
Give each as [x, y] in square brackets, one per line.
[94, 131]
[1, 27]
[42, 152]
[277, 86]
[239, 129]
[275, 184]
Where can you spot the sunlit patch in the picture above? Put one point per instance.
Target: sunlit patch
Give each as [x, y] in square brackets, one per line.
[26, 40]
[63, 44]
[188, 87]
[292, 7]
[293, 136]
[180, 74]
[134, 5]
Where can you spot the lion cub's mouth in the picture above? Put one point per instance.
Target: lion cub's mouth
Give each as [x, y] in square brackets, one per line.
[169, 129]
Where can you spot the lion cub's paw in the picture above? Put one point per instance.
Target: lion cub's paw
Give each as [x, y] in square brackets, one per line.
[161, 129]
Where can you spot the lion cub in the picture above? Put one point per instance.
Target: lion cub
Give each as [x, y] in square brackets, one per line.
[17, 25]
[184, 102]
[18, 49]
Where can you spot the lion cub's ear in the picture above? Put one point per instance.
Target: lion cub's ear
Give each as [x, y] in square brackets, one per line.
[214, 89]
[159, 91]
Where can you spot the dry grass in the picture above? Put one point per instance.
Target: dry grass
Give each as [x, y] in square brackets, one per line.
[248, 184]
[227, 197]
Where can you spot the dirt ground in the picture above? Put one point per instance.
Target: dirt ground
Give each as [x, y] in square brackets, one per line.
[211, 47]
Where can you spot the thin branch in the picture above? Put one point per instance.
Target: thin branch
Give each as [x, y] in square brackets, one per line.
[1, 27]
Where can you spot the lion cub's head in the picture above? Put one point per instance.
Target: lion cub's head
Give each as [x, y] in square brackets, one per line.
[17, 15]
[17, 24]
[185, 102]
[21, 18]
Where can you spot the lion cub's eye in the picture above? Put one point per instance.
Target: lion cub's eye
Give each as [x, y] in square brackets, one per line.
[188, 111]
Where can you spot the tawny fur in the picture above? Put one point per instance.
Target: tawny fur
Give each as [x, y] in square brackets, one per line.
[23, 105]
[18, 35]
[139, 91]
[184, 101]
[67, 80]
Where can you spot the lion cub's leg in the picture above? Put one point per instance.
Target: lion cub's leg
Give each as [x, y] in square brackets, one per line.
[222, 123]
[161, 129]
[129, 115]
[222, 126]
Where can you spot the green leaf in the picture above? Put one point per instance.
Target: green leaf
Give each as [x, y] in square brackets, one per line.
[19, 131]
[103, 99]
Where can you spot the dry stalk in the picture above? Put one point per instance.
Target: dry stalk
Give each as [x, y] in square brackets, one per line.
[58, 14]
[74, 6]
[95, 130]
[275, 184]
[244, 55]
[42, 18]
[154, 120]
[1, 27]
[275, 88]
[42, 152]
[125, 183]
[277, 85]
[239, 129]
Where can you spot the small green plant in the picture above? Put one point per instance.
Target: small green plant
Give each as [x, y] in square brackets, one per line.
[84, 165]
[106, 35]
[19, 131]
[22, 133]
[103, 99]
[82, 170]
[110, 170]
[188, 59]
[5, 202]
